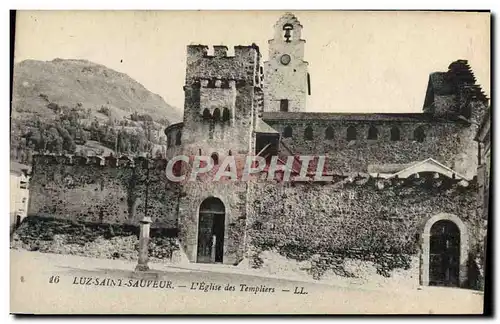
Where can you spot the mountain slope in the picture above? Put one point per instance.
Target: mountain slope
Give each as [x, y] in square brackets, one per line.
[71, 82]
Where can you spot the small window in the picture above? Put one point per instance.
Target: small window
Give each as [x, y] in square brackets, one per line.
[372, 133]
[230, 153]
[206, 114]
[329, 133]
[216, 114]
[284, 105]
[215, 158]
[308, 133]
[288, 132]
[395, 134]
[178, 138]
[225, 115]
[419, 134]
[352, 134]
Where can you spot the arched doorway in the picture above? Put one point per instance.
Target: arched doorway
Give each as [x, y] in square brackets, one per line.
[18, 221]
[211, 224]
[444, 251]
[444, 254]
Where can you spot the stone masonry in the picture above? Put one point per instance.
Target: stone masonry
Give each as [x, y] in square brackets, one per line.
[395, 175]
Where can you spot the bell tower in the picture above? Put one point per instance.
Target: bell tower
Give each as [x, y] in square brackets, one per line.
[286, 81]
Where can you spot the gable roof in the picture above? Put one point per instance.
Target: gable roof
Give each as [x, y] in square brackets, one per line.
[429, 165]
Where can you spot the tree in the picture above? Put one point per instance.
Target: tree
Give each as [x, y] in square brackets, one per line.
[123, 145]
[35, 139]
[54, 140]
[68, 143]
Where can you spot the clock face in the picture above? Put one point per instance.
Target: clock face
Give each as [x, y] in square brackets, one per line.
[285, 59]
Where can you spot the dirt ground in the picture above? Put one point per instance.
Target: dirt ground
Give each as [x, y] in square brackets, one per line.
[34, 290]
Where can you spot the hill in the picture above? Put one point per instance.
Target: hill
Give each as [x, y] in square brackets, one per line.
[79, 107]
[68, 82]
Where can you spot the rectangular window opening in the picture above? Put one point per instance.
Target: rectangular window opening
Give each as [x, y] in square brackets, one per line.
[284, 105]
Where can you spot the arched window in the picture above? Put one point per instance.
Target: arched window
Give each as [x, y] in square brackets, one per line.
[395, 134]
[225, 114]
[216, 114]
[372, 133]
[178, 138]
[419, 134]
[215, 158]
[230, 153]
[170, 138]
[206, 114]
[287, 132]
[308, 133]
[329, 133]
[288, 28]
[352, 134]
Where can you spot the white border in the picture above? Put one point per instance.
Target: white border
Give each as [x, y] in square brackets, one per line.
[194, 5]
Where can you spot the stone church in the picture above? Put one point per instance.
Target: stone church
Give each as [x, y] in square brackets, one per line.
[403, 188]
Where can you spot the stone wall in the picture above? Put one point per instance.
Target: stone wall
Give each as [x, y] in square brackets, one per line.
[215, 84]
[94, 191]
[241, 66]
[450, 143]
[367, 219]
[234, 197]
[90, 239]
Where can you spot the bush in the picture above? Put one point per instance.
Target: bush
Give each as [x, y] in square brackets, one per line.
[104, 110]
[37, 232]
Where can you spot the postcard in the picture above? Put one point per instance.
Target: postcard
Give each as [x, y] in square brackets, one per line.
[250, 162]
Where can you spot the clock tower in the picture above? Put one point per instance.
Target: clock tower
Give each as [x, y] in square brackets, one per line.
[286, 81]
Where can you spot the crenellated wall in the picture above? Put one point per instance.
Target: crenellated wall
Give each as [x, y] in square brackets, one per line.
[102, 190]
[241, 66]
[220, 100]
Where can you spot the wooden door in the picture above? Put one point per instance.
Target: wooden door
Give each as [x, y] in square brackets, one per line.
[444, 263]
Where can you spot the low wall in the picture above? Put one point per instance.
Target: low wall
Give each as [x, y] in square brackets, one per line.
[108, 241]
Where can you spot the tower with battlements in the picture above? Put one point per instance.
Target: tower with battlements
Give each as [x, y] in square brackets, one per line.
[223, 97]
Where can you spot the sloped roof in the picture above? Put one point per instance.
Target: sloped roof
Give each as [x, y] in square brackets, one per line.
[262, 127]
[389, 168]
[334, 116]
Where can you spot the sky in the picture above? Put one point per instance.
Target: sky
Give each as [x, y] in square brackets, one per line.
[358, 61]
